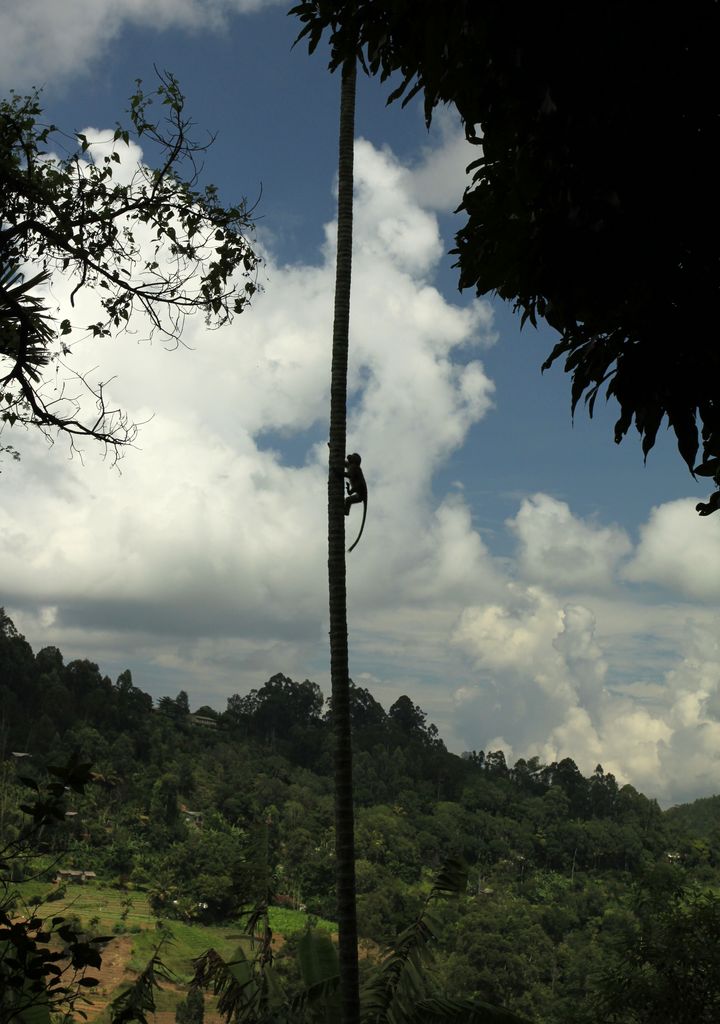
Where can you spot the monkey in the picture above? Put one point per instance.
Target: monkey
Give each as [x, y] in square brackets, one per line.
[356, 490]
[706, 508]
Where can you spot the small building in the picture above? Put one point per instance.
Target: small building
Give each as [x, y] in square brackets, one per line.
[203, 720]
[73, 875]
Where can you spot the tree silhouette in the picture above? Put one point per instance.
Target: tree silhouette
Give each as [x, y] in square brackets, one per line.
[144, 241]
[592, 202]
[344, 818]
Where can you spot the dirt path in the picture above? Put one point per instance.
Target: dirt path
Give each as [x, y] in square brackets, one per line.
[115, 956]
[114, 971]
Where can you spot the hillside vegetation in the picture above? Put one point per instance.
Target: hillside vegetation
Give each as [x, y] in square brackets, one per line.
[586, 902]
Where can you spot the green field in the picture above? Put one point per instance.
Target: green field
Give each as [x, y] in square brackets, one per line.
[186, 943]
[92, 900]
[188, 940]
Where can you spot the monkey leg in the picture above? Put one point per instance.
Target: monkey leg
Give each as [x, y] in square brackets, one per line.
[352, 499]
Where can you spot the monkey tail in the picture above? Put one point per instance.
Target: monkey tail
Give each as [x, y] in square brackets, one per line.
[362, 527]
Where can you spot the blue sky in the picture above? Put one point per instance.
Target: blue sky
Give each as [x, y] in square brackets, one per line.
[528, 583]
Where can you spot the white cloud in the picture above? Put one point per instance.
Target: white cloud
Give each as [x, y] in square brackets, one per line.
[542, 679]
[533, 660]
[439, 178]
[560, 550]
[680, 550]
[393, 223]
[211, 542]
[42, 40]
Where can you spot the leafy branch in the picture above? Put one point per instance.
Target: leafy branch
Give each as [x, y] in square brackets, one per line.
[43, 961]
[149, 244]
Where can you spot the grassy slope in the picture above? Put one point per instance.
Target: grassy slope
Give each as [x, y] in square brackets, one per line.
[188, 941]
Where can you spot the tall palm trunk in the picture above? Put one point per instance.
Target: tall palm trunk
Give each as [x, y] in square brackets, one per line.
[344, 823]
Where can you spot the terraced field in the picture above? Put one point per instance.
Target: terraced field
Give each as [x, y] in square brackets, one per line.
[94, 899]
[129, 951]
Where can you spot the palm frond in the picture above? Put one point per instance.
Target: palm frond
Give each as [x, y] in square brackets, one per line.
[136, 1002]
[25, 325]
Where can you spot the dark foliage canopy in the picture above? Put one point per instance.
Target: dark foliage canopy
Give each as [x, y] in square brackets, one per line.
[593, 201]
[43, 960]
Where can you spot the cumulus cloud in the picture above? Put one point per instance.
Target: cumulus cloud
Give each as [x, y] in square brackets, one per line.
[529, 653]
[212, 541]
[42, 39]
[440, 177]
[561, 550]
[543, 681]
[566, 661]
[679, 550]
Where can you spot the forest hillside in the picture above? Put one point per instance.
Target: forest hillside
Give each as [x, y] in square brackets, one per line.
[585, 901]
